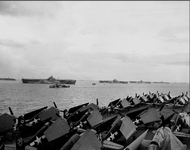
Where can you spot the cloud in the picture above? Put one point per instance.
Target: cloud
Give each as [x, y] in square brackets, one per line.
[11, 62]
[32, 59]
[179, 34]
[175, 59]
[11, 43]
[30, 8]
[123, 40]
[123, 66]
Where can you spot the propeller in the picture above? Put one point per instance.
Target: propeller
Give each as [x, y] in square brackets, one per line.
[162, 107]
[11, 112]
[55, 105]
[97, 103]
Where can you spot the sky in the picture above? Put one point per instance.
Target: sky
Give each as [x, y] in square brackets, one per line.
[95, 40]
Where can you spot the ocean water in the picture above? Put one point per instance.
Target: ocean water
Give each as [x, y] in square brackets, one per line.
[24, 98]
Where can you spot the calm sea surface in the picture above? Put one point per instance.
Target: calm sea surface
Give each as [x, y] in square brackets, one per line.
[23, 98]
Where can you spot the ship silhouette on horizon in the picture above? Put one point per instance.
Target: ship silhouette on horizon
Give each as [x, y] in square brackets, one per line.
[50, 80]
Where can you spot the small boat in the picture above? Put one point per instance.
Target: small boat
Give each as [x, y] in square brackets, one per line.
[59, 86]
[93, 83]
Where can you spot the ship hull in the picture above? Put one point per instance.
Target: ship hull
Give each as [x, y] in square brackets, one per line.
[44, 81]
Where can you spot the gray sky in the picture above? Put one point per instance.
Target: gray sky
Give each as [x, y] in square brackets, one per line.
[126, 40]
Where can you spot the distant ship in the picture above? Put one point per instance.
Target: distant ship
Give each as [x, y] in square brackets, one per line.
[9, 79]
[162, 82]
[147, 82]
[114, 81]
[50, 80]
